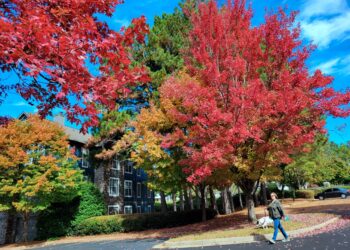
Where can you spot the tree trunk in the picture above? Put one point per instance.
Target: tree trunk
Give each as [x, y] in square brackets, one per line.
[174, 202]
[225, 201]
[202, 191]
[240, 198]
[283, 191]
[230, 198]
[198, 206]
[212, 199]
[190, 197]
[187, 200]
[163, 205]
[25, 226]
[10, 227]
[182, 203]
[250, 207]
[264, 193]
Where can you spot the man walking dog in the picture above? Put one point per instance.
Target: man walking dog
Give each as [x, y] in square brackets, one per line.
[276, 213]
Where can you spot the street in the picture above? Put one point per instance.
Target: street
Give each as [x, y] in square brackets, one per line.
[338, 240]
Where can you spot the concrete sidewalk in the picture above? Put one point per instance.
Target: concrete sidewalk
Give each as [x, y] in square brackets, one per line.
[237, 240]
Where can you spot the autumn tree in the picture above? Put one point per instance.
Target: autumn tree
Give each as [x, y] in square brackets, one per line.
[36, 167]
[250, 101]
[48, 45]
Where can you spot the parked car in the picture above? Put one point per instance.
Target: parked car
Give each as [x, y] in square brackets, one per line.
[333, 193]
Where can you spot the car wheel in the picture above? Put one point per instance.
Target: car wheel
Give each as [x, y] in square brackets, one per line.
[343, 196]
[321, 197]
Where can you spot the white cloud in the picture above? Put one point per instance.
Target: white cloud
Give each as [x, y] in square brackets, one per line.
[122, 22]
[325, 21]
[312, 8]
[20, 104]
[339, 66]
[328, 67]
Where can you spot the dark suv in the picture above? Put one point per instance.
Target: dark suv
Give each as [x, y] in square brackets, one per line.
[333, 193]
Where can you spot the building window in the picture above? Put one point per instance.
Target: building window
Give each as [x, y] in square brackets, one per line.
[113, 186]
[149, 193]
[128, 188]
[116, 163]
[138, 209]
[85, 158]
[86, 178]
[113, 209]
[127, 209]
[149, 210]
[128, 167]
[138, 172]
[138, 190]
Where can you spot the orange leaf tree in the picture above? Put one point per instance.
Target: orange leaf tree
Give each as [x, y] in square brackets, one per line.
[36, 167]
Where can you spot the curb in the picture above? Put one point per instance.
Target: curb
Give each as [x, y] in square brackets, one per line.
[237, 240]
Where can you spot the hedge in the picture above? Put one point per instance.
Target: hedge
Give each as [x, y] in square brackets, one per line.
[306, 194]
[138, 222]
[61, 218]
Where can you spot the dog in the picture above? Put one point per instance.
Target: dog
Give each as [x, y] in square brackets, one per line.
[264, 222]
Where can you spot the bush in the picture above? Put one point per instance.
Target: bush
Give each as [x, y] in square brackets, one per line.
[138, 222]
[60, 218]
[91, 203]
[306, 194]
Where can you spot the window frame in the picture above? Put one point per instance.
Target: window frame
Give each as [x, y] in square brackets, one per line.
[138, 209]
[139, 188]
[114, 206]
[127, 165]
[117, 187]
[85, 150]
[149, 209]
[116, 162]
[131, 187]
[128, 206]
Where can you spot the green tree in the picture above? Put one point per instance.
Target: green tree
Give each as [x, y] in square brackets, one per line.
[324, 161]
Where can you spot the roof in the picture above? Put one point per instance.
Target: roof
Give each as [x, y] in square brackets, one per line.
[72, 133]
[76, 135]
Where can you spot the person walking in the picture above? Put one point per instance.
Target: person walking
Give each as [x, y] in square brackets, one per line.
[276, 213]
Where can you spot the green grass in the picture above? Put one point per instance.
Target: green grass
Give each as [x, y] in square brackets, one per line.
[288, 226]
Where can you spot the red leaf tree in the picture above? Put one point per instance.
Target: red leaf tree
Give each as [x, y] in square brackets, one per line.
[251, 102]
[48, 44]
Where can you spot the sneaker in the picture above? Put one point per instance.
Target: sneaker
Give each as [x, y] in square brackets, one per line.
[272, 241]
[286, 240]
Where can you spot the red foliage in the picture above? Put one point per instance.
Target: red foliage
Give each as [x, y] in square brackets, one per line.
[48, 43]
[254, 91]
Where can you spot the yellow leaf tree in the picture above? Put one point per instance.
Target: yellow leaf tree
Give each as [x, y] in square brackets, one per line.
[36, 167]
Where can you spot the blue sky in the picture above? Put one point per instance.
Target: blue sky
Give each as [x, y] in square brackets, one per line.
[325, 22]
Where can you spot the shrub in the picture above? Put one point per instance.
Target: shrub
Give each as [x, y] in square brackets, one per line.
[60, 218]
[306, 194]
[91, 203]
[138, 222]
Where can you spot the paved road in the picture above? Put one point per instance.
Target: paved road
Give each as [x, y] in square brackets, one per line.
[338, 240]
[107, 245]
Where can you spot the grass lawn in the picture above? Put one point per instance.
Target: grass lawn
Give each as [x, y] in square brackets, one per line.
[248, 231]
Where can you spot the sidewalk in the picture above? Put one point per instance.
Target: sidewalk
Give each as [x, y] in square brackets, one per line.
[237, 240]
